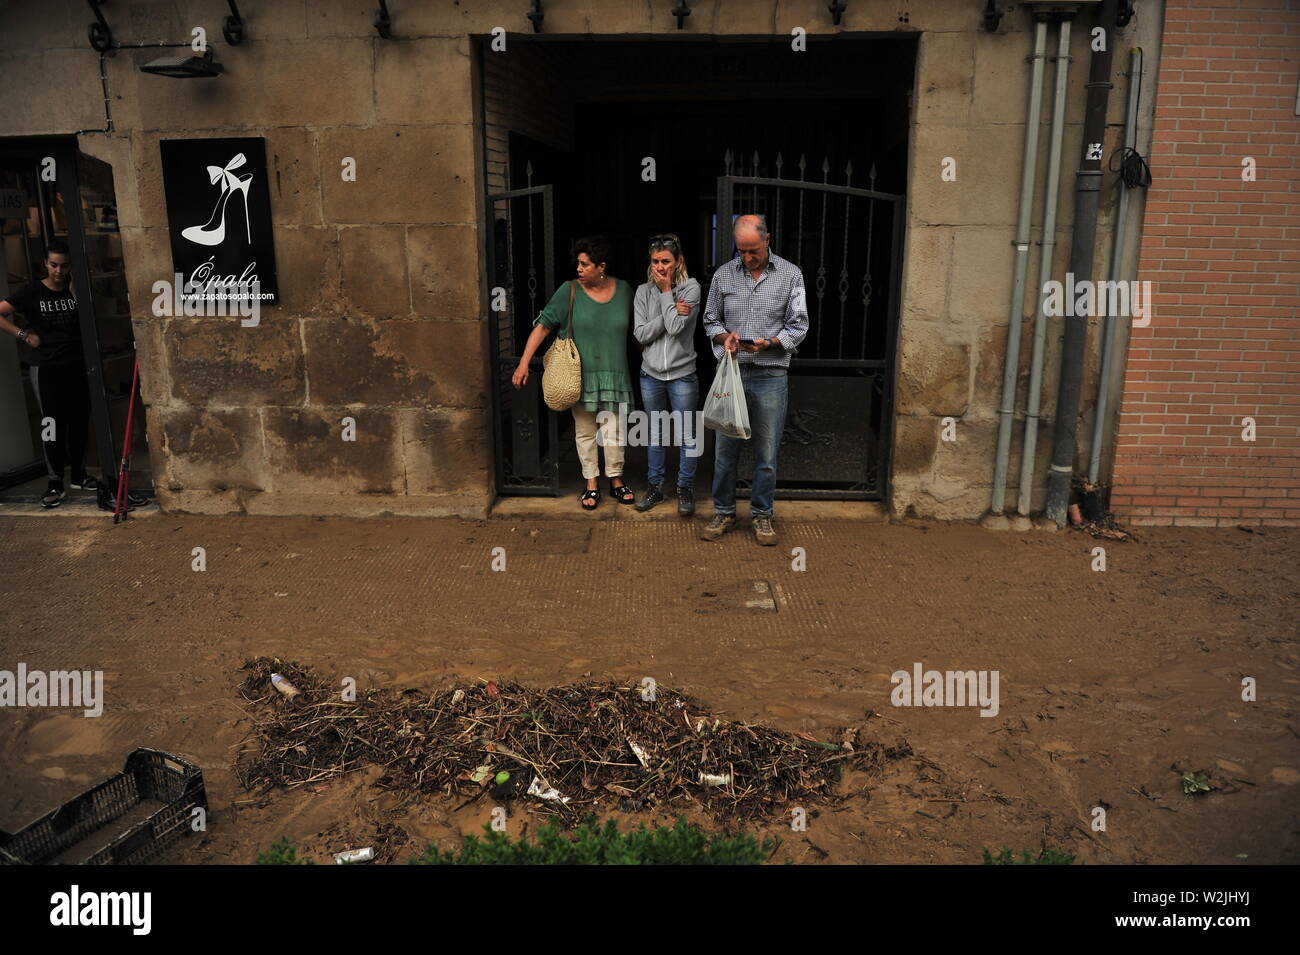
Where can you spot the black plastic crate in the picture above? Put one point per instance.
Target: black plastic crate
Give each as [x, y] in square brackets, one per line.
[149, 774]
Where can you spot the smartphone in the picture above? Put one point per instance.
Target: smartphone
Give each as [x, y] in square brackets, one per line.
[747, 341]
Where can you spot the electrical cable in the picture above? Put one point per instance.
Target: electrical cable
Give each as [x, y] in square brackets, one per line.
[1133, 169]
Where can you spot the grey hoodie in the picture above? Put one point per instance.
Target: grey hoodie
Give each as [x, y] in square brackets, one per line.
[667, 339]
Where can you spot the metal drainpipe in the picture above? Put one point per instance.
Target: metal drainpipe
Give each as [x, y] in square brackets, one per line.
[1045, 265]
[1087, 189]
[1116, 264]
[1029, 172]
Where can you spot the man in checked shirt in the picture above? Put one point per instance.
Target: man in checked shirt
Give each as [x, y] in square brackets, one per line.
[755, 310]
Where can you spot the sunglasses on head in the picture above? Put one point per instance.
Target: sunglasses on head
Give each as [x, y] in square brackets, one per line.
[664, 242]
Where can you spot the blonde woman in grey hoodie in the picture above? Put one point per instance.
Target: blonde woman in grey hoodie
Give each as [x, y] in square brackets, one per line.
[665, 310]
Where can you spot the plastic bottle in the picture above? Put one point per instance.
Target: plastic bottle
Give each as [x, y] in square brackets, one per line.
[284, 686]
[353, 856]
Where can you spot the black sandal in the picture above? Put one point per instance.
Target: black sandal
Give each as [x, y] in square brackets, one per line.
[623, 494]
[591, 494]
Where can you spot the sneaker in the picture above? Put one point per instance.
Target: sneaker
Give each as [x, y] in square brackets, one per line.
[653, 495]
[763, 531]
[720, 524]
[685, 501]
[53, 496]
[87, 483]
[106, 497]
[108, 502]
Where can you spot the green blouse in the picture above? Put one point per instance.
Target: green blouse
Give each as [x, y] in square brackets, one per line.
[600, 331]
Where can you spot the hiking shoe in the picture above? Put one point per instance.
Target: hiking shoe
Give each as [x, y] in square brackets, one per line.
[87, 483]
[53, 496]
[653, 495]
[685, 501]
[720, 524]
[763, 532]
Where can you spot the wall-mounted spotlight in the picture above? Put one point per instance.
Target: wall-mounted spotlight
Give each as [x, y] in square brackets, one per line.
[837, 8]
[101, 36]
[184, 67]
[536, 15]
[384, 22]
[232, 28]
[681, 12]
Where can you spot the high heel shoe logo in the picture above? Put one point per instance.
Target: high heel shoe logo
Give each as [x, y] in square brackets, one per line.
[213, 232]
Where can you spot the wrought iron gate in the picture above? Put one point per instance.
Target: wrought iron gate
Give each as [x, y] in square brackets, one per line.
[521, 270]
[836, 439]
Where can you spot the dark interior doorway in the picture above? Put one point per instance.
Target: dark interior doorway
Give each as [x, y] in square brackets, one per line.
[583, 116]
[53, 191]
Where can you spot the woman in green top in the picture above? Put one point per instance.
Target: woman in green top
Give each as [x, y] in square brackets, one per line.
[602, 315]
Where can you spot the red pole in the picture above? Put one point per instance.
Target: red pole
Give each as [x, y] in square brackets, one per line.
[124, 471]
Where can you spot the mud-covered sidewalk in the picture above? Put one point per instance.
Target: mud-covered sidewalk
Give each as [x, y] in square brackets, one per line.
[1112, 683]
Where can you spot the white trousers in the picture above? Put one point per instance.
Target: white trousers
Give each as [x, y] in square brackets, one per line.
[584, 429]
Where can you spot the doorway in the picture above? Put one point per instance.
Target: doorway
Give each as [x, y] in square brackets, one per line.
[817, 142]
[50, 191]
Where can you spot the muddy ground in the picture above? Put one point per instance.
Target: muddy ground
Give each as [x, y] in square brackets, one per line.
[1112, 683]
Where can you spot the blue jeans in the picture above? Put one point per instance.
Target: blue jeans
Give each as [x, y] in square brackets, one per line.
[679, 394]
[766, 398]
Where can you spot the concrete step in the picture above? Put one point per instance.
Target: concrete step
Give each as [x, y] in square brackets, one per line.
[566, 508]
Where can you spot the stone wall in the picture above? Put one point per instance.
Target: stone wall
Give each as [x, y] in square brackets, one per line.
[382, 279]
[381, 303]
[973, 96]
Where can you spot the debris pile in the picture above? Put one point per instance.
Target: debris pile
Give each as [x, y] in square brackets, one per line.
[568, 749]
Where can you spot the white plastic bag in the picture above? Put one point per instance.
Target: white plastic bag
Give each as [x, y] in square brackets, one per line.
[724, 408]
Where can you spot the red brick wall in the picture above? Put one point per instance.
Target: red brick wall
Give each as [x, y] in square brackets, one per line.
[1223, 257]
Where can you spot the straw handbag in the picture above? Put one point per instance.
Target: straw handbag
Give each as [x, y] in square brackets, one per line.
[562, 368]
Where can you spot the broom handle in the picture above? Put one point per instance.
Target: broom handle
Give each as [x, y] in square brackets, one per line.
[124, 469]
